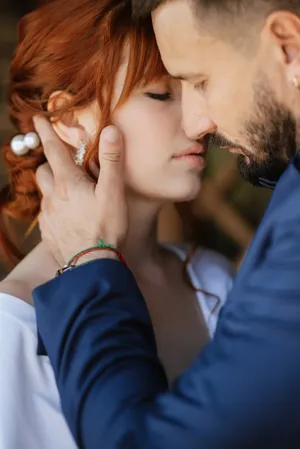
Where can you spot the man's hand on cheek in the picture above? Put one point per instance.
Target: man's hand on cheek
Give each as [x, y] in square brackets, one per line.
[75, 212]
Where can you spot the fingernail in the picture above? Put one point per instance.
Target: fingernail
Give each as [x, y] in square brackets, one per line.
[111, 134]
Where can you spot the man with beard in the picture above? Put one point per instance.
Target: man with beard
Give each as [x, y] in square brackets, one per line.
[239, 63]
[240, 54]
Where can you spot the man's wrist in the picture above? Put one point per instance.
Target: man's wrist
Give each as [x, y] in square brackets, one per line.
[87, 258]
[95, 255]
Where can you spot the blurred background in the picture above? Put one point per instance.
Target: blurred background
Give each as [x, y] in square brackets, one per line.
[227, 212]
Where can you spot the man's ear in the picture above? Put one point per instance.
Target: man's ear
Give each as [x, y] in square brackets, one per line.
[284, 29]
[69, 126]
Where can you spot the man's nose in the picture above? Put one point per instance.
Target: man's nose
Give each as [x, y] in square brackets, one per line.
[195, 120]
[198, 126]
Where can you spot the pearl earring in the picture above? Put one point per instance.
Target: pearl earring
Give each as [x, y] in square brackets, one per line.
[21, 145]
[80, 153]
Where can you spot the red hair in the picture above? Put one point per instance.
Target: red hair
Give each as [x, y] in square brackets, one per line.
[74, 46]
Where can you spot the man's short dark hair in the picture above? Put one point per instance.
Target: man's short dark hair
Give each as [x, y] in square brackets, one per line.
[143, 8]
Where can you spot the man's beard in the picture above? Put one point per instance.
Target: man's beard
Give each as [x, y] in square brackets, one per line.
[272, 135]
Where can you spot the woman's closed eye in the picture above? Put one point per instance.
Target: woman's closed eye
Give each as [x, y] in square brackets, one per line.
[160, 97]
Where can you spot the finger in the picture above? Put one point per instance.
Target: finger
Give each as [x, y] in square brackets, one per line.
[57, 153]
[111, 157]
[45, 179]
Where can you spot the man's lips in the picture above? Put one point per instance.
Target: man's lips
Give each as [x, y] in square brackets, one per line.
[235, 150]
[232, 149]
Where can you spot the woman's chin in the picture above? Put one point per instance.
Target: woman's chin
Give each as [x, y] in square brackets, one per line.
[187, 191]
[170, 191]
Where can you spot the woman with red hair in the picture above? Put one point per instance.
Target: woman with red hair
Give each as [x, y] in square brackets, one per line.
[85, 64]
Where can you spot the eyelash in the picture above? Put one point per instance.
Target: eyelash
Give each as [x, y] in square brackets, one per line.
[160, 97]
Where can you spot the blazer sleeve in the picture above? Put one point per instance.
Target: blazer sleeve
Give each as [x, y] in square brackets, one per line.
[243, 390]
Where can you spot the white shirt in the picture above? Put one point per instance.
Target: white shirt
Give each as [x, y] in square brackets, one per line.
[30, 411]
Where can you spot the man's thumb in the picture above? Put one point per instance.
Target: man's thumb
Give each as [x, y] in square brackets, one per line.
[111, 145]
[110, 156]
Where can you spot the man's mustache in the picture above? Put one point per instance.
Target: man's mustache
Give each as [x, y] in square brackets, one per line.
[218, 140]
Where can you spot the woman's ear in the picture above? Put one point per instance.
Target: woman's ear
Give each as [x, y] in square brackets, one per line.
[71, 126]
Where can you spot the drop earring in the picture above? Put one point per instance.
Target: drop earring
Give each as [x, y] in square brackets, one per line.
[80, 153]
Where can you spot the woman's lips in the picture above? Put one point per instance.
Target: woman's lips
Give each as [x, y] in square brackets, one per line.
[194, 160]
[197, 150]
[194, 156]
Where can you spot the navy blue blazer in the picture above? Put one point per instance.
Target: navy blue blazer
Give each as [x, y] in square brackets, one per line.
[243, 390]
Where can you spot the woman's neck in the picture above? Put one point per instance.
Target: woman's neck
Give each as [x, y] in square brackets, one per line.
[141, 249]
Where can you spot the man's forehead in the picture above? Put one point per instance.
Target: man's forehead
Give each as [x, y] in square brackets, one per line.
[176, 10]
[178, 33]
[176, 17]
[188, 60]
[173, 19]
